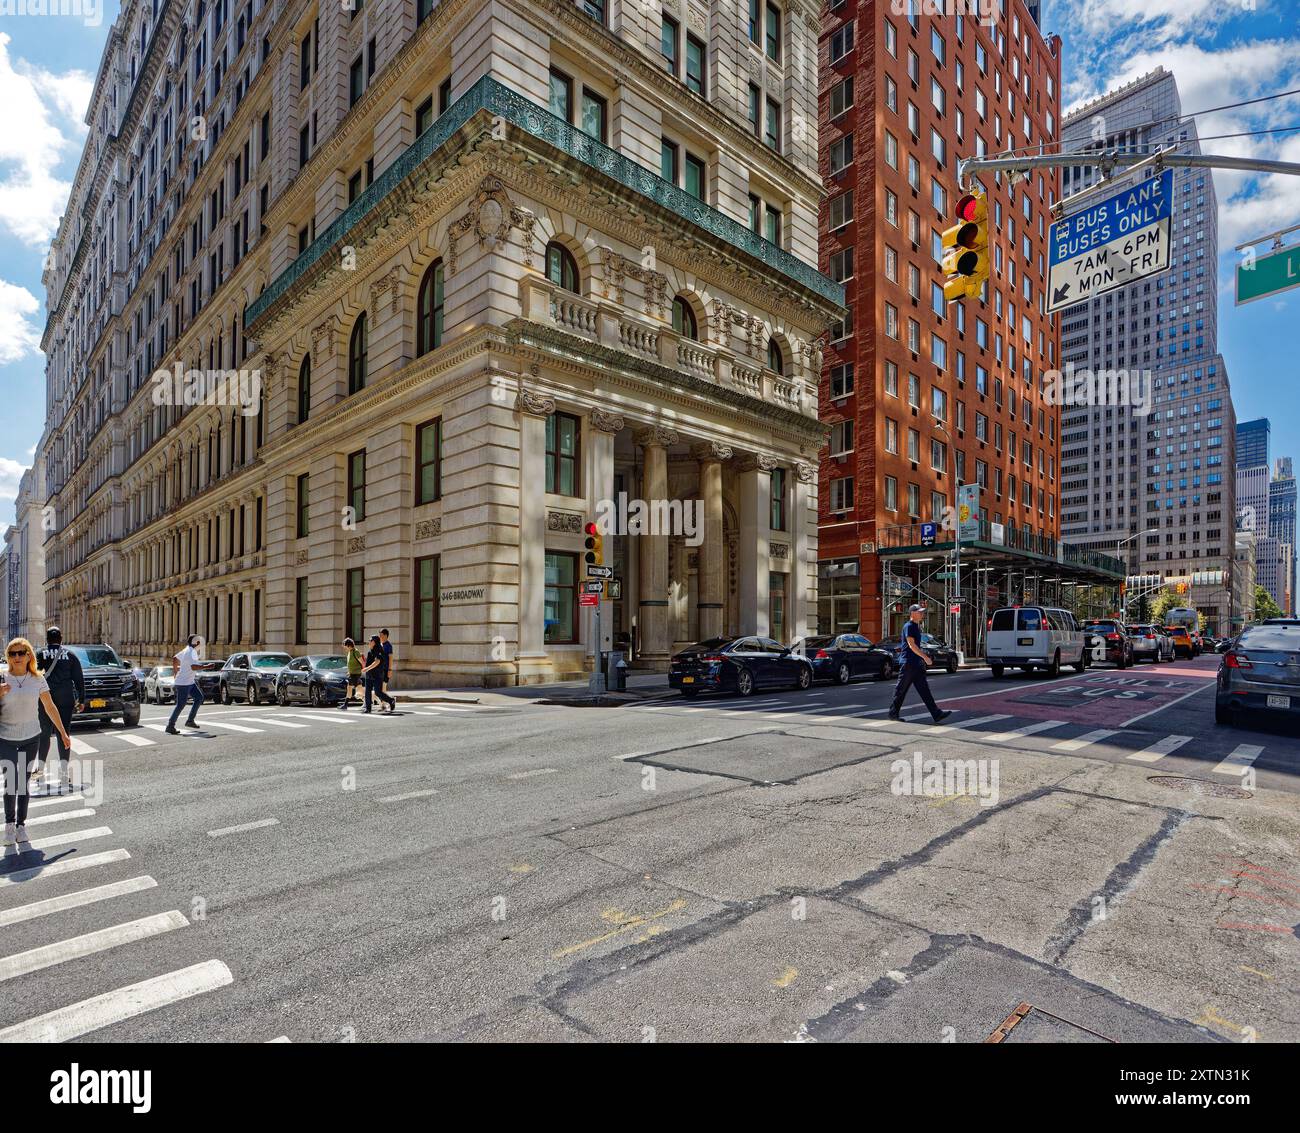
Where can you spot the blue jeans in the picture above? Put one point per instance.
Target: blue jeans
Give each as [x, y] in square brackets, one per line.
[184, 693]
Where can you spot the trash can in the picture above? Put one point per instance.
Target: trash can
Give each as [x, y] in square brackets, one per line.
[617, 674]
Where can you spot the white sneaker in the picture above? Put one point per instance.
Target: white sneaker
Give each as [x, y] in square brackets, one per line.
[21, 832]
[11, 834]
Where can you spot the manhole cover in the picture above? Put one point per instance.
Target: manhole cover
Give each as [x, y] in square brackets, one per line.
[1202, 787]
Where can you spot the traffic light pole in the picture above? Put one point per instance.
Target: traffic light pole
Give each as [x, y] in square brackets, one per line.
[1113, 159]
[596, 686]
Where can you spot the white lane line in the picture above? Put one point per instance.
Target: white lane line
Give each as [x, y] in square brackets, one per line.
[163, 728]
[1025, 730]
[66, 865]
[133, 740]
[436, 708]
[321, 718]
[969, 723]
[245, 826]
[60, 815]
[73, 836]
[1159, 750]
[75, 900]
[268, 720]
[408, 795]
[54, 800]
[223, 724]
[683, 711]
[101, 1011]
[83, 748]
[281, 1039]
[34, 959]
[534, 771]
[1084, 740]
[1243, 756]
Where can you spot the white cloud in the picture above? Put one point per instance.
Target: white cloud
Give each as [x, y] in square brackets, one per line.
[19, 336]
[40, 126]
[11, 472]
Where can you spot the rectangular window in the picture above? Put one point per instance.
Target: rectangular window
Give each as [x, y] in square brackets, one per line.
[772, 224]
[756, 109]
[841, 41]
[356, 81]
[595, 116]
[778, 499]
[356, 614]
[694, 177]
[774, 32]
[841, 97]
[842, 494]
[891, 493]
[668, 160]
[772, 129]
[423, 116]
[696, 79]
[755, 23]
[562, 432]
[428, 461]
[842, 380]
[841, 440]
[561, 95]
[427, 570]
[357, 484]
[561, 598]
[668, 43]
[304, 502]
[301, 590]
[841, 153]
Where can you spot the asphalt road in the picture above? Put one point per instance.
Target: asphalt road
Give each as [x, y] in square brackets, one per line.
[725, 869]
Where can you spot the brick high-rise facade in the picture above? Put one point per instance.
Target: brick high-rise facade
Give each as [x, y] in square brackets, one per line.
[919, 394]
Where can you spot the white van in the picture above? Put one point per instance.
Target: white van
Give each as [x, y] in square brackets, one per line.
[1035, 637]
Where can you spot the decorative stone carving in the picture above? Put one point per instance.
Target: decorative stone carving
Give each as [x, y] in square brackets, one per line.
[390, 285]
[428, 528]
[779, 550]
[567, 522]
[301, 557]
[807, 473]
[656, 435]
[711, 450]
[356, 544]
[756, 461]
[606, 422]
[322, 333]
[538, 404]
[615, 268]
[490, 217]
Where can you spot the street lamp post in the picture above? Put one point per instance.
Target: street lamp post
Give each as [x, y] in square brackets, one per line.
[1129, 562]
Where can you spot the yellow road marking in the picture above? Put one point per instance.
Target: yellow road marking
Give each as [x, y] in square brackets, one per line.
[522, 867]
[625, 922]
[1211, 1016]
[786, 978]
[1255, 972]
[960, 796]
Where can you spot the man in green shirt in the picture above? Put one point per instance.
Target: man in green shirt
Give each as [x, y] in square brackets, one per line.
[355, 665]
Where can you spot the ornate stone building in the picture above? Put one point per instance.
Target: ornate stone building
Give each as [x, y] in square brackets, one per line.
[491, 264]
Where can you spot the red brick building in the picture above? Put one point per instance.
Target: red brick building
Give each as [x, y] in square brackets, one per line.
[922, 395]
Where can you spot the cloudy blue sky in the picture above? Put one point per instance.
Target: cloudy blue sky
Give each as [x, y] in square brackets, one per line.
[1220, 50]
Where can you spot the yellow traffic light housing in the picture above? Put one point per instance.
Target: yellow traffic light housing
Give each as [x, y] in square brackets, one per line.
[966, 249]
[595, 544]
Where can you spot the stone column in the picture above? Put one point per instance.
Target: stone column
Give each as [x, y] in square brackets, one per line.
[755, 484]
[533, 411]
[652, 603]
[803, 552]
[598, 483]
[711, 578]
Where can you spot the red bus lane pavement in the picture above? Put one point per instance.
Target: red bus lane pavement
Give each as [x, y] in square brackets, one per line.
[1113, 698]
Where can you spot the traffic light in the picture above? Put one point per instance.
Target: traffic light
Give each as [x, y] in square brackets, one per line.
[966, 249]
[595, 544]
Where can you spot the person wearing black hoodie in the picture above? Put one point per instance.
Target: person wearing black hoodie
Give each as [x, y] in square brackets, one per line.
[63, 674]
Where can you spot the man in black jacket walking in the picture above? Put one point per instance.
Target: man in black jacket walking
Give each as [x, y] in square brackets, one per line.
[68, 691]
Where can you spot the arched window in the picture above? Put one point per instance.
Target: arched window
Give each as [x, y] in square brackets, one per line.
[357, 356]
[428, 310]
[775, 359]
[304, 388]
[684, 319]
[561, 268]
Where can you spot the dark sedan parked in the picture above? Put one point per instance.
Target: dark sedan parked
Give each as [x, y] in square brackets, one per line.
[739, 665]
[207, 675]
[251, 676]
[941, 657]
[317, 680]
[846, 656]
[1260, 671]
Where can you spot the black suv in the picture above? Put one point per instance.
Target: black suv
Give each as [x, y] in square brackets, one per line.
[112, 688]
[1108, 640]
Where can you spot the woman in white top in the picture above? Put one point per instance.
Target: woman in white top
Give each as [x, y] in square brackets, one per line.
[21, 695]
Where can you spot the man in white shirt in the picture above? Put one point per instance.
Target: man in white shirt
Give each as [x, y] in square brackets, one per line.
[187, 688]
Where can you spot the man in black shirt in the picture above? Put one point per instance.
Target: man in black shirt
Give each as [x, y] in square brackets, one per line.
[913, 670]
[68, 691]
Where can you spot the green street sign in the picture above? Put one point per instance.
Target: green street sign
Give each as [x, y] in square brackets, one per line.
[1268, 275]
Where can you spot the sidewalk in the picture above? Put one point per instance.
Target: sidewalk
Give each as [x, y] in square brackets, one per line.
[640, 686]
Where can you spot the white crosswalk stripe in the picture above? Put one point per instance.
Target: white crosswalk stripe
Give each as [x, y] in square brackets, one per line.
[65, 865]
[75, 900]
[270, 720]
[59, 816]
[71, 836]
[101, 1011]
[1022, 731]
[82, 748]
[969, 723]
[222, 724]
[336, 717]
[1159, 749]
[87, 944]
[1080, 742]
[133, 740]
[1244, 755]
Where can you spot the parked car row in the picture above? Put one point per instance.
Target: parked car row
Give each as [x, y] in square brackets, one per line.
[258, 678]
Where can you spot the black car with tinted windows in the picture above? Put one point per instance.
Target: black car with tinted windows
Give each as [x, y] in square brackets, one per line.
[845, 657]
[1108, 640]
[207, 675]
[739, 665]
[251, 676]
[941, 656]
[318, 680]
[112, 689]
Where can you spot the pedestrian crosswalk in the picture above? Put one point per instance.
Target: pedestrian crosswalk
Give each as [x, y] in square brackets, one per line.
[38, 946]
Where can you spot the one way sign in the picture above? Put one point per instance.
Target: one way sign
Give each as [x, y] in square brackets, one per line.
[1111, 244]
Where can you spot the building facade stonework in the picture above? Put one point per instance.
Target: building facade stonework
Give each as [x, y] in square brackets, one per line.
[492, 264]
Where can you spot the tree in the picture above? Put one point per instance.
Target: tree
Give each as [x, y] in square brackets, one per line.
[1162, 603]
[1265, 607]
